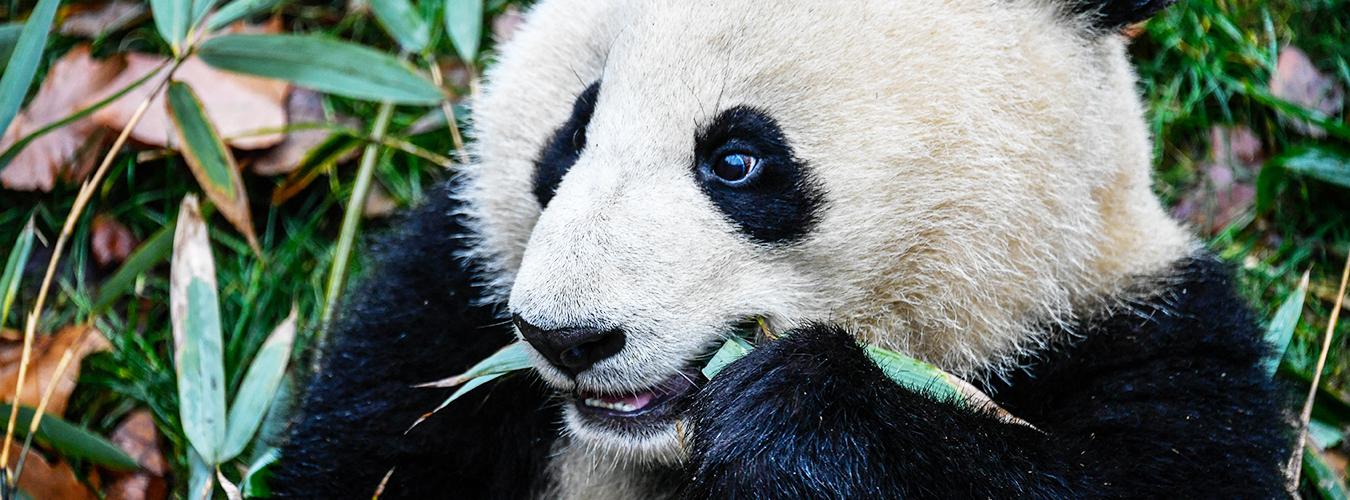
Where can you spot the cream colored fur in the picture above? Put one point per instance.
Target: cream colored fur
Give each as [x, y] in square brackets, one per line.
[985, 168]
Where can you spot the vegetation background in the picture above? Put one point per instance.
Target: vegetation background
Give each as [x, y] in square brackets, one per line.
[1246, 99]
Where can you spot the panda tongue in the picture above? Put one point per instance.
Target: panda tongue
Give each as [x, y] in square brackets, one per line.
[637, 402]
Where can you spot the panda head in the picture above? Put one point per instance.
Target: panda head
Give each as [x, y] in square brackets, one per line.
[946, 179]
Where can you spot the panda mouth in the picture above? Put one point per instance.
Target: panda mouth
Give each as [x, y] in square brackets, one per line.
[653, 405]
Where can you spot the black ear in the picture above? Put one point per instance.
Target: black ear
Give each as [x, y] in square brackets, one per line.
[1112, 15]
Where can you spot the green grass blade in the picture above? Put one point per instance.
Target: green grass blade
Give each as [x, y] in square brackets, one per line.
[152, 252]
[402, 21]
[210, 160]
[323, 64]
[18, 258]
[172, 18]
[195, 313]
[236, 10]
[70, 440]
[464, 24]
[1281, 328]
[1319, 162]
[259, 385]
[23, 63]
[1321, 476]
[9, 35]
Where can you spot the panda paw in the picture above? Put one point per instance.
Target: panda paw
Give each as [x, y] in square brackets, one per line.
[785, 418]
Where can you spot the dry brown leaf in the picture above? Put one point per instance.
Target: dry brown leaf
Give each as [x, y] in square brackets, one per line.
[1297, 80]
[102, 18]
[43, 479]
[378, 203]
[506, 24]
[137, 436]
[303, 106]
[65, 90]
[1227, 187]
[236, 104]
[110, 241]
[47, 351]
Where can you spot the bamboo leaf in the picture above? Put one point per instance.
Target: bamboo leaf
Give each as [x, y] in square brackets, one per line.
[510, 358]
[1318, 162]
[1321, 476]
[172, 18]
[322, 64]
[1281, 328]
[464, 389]
[70, 440]
[402, 21]
[236, 10]
[210, 160]
[9, 35]
[201, 477]
[195, 313]
[464, 24]
[23, 62]
[735, 348]
[18, 258]
[254, 482]
[259, 385]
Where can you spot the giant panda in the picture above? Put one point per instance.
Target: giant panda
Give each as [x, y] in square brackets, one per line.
[963, 181]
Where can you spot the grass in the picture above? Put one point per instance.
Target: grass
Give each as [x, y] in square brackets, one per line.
[1202, 63]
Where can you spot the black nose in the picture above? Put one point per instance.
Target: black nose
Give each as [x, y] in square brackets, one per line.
[572, 350]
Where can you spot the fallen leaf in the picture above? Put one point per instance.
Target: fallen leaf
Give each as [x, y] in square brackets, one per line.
[137, 436]
[65, 90]
[303, 106]
[1227, 181]
[378, 203]
[110, 241]
[44, 479]
[1297, 80]
[102, 18]
[47, 352]
[504, 26]
[236, 104]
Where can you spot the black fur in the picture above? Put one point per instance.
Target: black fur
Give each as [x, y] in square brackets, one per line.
[1112, 15]
[412, 322]
[565, 146]
[1165, 400]
[777, 204]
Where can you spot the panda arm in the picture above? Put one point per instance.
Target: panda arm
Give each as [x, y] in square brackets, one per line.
[413, 321]
[1179, 409]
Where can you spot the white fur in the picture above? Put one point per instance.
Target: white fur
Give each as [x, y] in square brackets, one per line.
[985, 168]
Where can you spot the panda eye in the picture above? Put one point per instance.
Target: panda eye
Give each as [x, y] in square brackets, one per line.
[735, 167]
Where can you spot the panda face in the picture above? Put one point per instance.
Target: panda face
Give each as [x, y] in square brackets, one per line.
[943, 179]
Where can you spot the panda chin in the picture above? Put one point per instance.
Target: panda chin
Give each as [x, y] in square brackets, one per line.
[640, 424]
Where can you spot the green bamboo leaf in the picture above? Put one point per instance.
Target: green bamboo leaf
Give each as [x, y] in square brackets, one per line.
[1324, 435]
[323, 64]
[70, 440]
[254, 483]
[260, 383]
[195, 313]
[172, 18]
[210, 160]
[464, 389]
[201, 477]
[9, 35]
[913, 374]
[151, 252]
[23, 63]
[735, 348]
[199, 10]
[464, 24]
[1281, 328]
[402, 21]
[507, 359]
[18, 258]
[236, 10]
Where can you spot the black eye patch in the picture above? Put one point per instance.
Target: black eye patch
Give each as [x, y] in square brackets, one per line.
[564, 146]
[777, 202]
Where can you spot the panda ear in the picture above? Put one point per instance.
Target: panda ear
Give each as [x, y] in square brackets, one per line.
[1106, 16]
